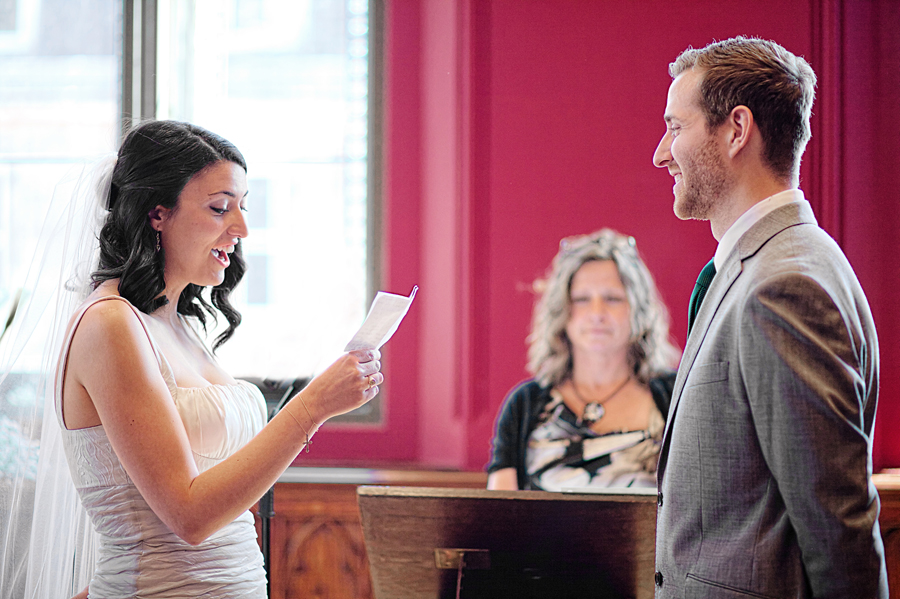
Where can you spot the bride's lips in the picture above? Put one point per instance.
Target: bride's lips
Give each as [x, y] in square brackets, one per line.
[221, 255]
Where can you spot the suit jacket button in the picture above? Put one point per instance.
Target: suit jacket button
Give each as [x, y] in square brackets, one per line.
[659, 579]
[659, 499]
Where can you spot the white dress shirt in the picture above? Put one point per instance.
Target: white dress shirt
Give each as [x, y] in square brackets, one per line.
[749, 218]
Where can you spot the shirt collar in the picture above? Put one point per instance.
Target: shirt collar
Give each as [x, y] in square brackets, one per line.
[753, 215]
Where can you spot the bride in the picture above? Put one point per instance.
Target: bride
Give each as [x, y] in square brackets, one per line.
[167, 451]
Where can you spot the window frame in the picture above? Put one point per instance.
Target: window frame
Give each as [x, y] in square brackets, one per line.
[138, 102]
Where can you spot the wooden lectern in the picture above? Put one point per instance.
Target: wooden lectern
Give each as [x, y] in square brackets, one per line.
[473, 543]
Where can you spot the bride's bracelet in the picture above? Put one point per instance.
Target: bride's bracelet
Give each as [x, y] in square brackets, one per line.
[311, 419]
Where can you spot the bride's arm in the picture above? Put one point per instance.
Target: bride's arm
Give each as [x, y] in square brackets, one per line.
[112, 360]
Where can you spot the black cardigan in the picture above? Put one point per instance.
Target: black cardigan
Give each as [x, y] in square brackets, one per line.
[520, 413]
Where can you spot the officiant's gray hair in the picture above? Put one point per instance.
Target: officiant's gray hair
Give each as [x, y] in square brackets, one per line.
[550, 352]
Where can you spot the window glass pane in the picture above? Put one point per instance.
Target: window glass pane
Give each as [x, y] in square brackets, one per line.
[286, 81]
[59, 89]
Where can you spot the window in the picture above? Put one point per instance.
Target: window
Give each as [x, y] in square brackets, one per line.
[287, 81]
[59, 72]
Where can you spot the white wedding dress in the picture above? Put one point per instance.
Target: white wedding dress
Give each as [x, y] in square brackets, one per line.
[138, 555]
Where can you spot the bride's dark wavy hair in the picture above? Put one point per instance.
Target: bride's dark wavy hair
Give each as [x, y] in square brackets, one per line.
[155, 162]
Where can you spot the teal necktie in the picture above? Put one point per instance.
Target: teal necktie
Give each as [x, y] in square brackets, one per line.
[703, 282]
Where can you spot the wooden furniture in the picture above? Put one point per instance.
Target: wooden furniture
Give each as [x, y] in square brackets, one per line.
[475, 543]
[888, 485]
[318, 549]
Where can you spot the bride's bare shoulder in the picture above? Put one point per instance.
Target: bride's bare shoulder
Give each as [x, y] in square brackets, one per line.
[105, 320]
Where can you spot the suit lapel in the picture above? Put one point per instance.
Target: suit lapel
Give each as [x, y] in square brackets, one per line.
[721, 283]
[747, 246]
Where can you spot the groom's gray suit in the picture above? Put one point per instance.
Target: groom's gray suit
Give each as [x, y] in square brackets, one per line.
[764, 473]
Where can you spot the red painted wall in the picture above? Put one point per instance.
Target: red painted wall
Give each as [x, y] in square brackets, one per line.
[513, 123]
[870, 207]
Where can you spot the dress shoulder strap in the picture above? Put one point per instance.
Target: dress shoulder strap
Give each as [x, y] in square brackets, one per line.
[67, 344]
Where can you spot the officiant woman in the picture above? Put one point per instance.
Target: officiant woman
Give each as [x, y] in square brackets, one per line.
[599, 352]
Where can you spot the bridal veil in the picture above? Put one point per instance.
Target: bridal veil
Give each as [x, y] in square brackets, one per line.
[46, 540]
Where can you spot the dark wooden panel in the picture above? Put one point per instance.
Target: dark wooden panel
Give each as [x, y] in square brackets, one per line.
[317, 544]
[317, 547]
[539, 544]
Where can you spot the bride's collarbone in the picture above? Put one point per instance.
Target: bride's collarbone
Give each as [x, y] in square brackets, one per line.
[191, 364]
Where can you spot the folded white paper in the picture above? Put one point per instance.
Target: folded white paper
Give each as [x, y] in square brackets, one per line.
[385, 315]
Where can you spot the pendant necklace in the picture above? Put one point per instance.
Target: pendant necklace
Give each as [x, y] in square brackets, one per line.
[594, 410]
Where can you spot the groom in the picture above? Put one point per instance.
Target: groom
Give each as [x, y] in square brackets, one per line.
[764, 475]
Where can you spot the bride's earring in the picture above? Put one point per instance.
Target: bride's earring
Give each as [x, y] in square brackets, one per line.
[157, 241]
